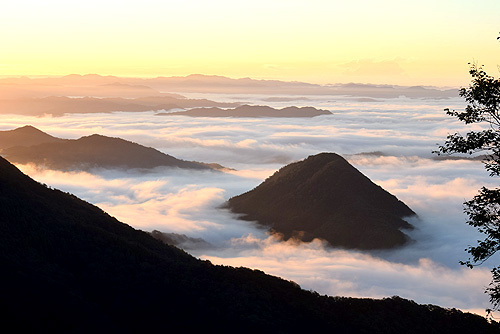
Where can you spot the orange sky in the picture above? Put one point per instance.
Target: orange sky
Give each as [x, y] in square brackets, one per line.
[398, 42]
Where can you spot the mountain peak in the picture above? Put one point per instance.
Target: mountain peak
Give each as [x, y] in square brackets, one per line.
[27, 129]
[24, 136]
[325, 158]
[96, 136]
[94, 151]
[325, 197]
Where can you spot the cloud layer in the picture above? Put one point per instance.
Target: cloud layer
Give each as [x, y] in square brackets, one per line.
[390, 141]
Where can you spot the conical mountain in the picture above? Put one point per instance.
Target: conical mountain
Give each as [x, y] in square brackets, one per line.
[25, 136]
[325, 197]
[68, 267]
[95, 151]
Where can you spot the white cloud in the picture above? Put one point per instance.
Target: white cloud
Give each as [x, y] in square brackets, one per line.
[405, 131]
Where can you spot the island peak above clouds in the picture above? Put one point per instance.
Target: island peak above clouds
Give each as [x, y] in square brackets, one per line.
[325, 197]
[29, 145]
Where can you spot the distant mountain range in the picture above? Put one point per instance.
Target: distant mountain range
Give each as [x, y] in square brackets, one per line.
[95, 151]
[325, 197]
[58, 106]
[250, 111]
[99, 94]
[68, 267]
[111, 86]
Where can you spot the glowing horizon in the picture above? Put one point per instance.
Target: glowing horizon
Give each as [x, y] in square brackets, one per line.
[318, 41]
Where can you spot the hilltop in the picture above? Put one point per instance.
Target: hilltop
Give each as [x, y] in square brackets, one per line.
[25, 136]
[94, 151]
[325, 197]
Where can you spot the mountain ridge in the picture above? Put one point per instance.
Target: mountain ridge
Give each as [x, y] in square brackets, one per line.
[93, 151]
[60, 105]
[218, 84]
[250, 111]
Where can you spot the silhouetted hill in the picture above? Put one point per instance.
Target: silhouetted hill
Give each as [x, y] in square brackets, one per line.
[251, 111]
[25, 136]
[325, 197]
[95, 151]
[67, 266]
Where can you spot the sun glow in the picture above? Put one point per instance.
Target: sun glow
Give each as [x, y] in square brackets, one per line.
[316, 41]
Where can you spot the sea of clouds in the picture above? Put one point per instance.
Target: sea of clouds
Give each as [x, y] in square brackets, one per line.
[389, 140]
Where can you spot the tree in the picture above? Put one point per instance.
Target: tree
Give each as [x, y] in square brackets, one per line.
[483, 106]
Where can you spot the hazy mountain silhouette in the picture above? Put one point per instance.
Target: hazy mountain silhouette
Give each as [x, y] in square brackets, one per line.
[219, 84]
[67, 266]
[95, 151]
[111, 86]
[325, 197]
[25, 136]
[59, 105]
[251, 111]
[73, 85]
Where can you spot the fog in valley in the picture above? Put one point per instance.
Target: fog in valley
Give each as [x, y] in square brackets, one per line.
[389, 139]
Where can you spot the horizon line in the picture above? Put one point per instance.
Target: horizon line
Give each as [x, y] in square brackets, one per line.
[45, 76]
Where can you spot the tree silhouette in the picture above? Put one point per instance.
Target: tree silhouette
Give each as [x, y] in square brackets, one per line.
[483, 106]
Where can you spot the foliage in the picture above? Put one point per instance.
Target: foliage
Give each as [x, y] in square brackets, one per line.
[483, 107]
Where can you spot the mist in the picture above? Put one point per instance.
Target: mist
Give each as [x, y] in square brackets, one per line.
[389, 140]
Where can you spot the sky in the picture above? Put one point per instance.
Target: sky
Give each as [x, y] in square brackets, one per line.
[392, 42]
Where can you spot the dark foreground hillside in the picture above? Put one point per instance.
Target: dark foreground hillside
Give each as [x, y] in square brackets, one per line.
[69, 267]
